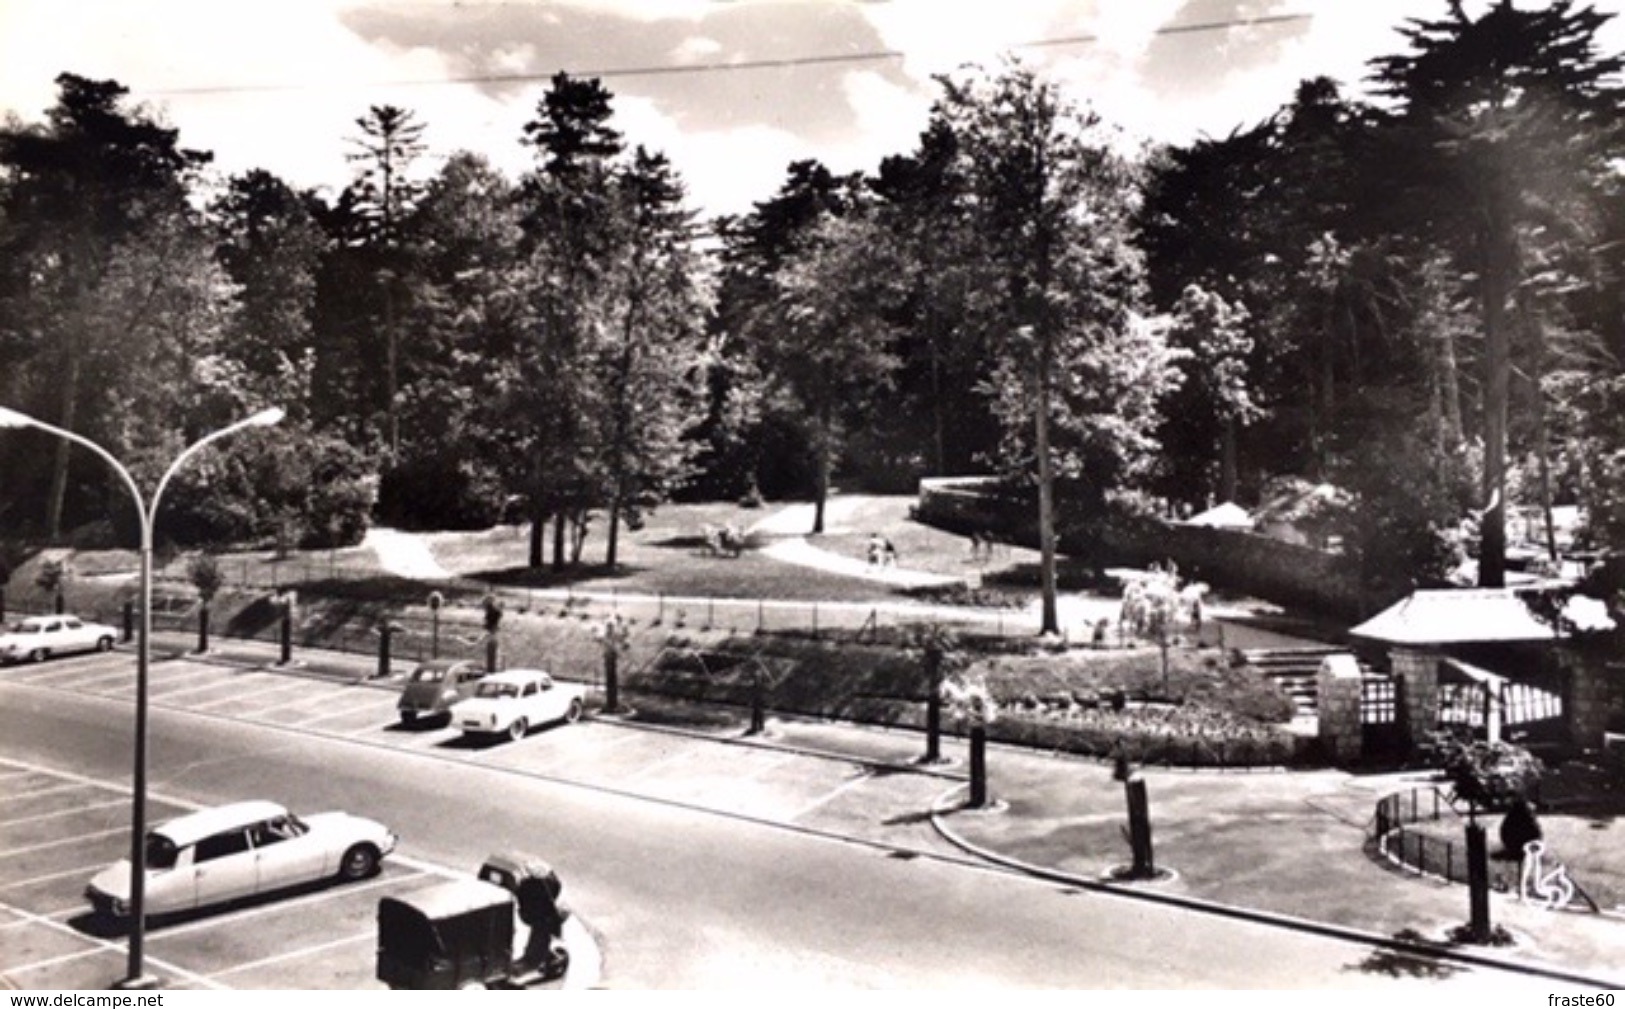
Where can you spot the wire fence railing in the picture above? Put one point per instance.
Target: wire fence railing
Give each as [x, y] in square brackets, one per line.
[1399, 833]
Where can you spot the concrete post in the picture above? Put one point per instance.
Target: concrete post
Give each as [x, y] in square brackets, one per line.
[385, 631]
[978, 766]
[1139, 828]
[1478, 883]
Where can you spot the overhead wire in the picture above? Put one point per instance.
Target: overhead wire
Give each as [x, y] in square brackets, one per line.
[723, 66]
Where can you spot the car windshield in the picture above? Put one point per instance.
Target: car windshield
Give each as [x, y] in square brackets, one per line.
[428, 675]
[497, 690]
[161, 852]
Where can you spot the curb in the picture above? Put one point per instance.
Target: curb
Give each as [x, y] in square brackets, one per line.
[1271, 919]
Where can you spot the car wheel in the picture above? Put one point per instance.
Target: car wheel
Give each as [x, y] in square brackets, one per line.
[517, 730]
[38, 655]
[104, 643]
[359, 862]
[408, 717]
[573, 712]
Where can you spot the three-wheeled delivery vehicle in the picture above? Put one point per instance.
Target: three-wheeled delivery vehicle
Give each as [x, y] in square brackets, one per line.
[460, 934]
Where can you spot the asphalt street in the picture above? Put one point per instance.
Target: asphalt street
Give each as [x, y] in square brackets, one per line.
[696, 864]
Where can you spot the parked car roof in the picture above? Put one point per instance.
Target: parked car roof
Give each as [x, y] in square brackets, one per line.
[193, 827]
[518, 676]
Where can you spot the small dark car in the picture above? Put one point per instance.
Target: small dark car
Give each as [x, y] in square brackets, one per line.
[435, 686]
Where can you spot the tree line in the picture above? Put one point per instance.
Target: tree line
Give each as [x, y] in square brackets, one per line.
[1415, 299]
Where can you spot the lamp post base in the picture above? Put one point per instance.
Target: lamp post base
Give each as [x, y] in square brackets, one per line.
[140, 982]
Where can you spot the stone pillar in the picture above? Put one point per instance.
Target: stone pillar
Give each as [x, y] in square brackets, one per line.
[1417, 671]
[1337, 700]
[1594, 693]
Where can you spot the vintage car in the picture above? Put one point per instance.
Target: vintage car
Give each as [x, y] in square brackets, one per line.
[435, 686]
[239, 850]
[509, 703]
[35, 639]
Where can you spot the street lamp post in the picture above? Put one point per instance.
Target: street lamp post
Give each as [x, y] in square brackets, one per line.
[136, 976]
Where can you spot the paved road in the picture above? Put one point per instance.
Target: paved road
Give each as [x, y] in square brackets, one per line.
[699, 864]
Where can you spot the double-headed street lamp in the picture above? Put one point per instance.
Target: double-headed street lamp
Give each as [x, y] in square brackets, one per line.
[136, 976]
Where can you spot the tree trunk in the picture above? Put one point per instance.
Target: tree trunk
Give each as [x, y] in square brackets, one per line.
[613, 535]
[59, 463]
[821, 479]
[1497, 283]
[1051, 622]
[1227, 461]
[558, 540]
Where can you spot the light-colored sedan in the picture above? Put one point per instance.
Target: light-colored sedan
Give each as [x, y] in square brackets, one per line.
[35, 639]
[511, 702]
[239, 850]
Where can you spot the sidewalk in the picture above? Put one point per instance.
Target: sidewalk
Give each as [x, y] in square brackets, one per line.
[1280, 847]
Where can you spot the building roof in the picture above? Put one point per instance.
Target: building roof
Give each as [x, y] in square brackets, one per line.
[1225, 516]
[1456, 616]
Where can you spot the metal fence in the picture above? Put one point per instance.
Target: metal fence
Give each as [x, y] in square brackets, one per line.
[1393, 830]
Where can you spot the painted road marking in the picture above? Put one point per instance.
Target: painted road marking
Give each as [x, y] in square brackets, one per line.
[370, 702]
[84, 870]
[250, 694]
[280, 702]
[99, 945]
[830, 796]
[48, 790]
[297, 953]
[59, 842]
[62, 812]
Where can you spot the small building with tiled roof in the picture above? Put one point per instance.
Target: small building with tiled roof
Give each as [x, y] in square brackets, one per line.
[1442, 644]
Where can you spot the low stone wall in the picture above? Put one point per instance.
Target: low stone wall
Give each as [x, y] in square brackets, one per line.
[1241, 561]
[1246, 562]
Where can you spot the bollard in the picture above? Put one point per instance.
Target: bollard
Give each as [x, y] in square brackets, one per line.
[978, 766]
[1139, 828]
[129, 620]
[385, 631]
[1478, 884]
[758, 714]
[612, 681]
[287, 635]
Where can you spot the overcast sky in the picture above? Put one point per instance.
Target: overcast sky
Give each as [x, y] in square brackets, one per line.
[278, 84]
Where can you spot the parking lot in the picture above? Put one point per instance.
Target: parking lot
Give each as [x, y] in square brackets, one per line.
[58, 828]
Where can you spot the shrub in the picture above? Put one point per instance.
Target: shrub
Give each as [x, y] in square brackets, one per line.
[1489, 776]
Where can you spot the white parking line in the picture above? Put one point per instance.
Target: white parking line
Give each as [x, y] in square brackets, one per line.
[280, 702]
[81, 679]
[370, 702]
[661, 765]
[160, 684]
[297, 953]
[83, 870]
[46, 672]
[62, 812]
[251, 694]
[59, 842]
[339, 890]
[830, 796]
[99, 944]
[217, 681]
[48, 790]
